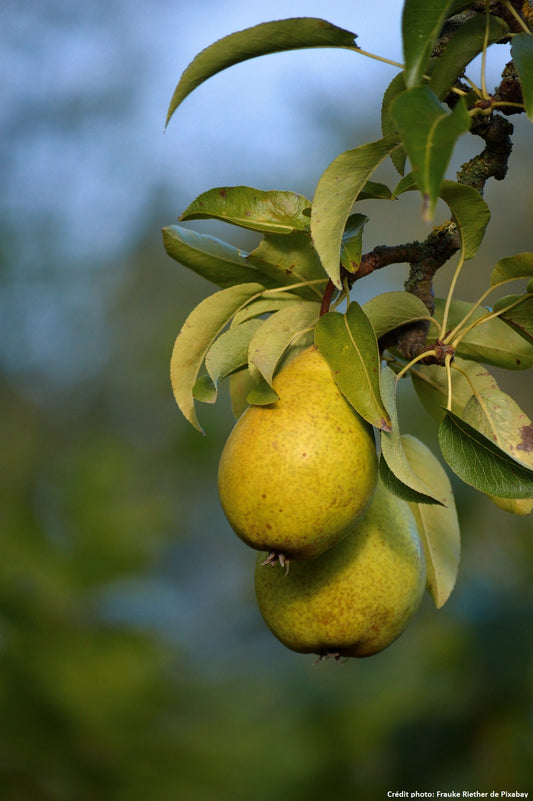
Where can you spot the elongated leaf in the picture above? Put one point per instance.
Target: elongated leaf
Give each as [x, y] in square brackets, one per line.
[422, 21]
[276, 334]
[240, 384]
[352, 242]
[396, 86]
[464, 45]
[204, 390]
[479, 462]
[337, 191]
[438, 526]
[511, 268]
[211, 258]
[522, 53]
[428, 133]
[500, 418]
[496, 415]
[492, 342]
[393, 309]
[348, 343]
[290, 259]
[459, 5]
[229, 352]
[520, 317]
[373, 190]
[406, 184]
[268, 37]
[260, 393]
[265, 305]
[275, 211]
[200, 329]
[395, 470]
[431, 385]
[470, 212]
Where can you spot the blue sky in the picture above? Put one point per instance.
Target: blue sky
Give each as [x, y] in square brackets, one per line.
[124, 60]
[83, 153]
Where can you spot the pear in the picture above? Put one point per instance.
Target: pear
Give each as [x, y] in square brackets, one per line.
[356, 598]
[296, 474]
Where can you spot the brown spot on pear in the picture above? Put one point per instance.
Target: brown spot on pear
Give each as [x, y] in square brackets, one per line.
[356, 598]
[295, 475]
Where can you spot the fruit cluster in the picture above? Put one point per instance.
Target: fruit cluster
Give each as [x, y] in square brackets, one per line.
[298, 481]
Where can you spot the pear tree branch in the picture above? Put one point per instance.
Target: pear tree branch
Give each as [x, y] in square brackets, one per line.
[426, 257]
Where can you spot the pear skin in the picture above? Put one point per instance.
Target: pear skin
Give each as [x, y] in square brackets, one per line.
[296, 474]
[358, 597]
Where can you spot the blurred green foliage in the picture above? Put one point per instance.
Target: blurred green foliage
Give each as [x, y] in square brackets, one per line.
[133, 663]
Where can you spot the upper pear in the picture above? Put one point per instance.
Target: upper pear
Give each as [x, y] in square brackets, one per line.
[296, 474]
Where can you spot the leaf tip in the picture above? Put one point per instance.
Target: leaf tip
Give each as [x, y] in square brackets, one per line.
[427, 208]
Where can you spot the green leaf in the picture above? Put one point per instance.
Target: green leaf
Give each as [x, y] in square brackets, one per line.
[265, 305]
[276, 334]
[464, 45]
[337, 191]
[422, 22]
[512, 267]
[459, 5]
[348, 344]
[522, 53]
[492, 342]
[438, 526]
[496, 415]
[407, 184]
[431, 385]
[428, 133]
[479, 462]
[520, 317]
[395, 470]
[352, 242]
[210, 257]
[396, 86]
[268, 37]
[290, 259]
[470, 212]
[393, 309]
[240, 384]
[372, 190]
[229, 352]
[260, 393]
[277, 212]
[199, 331]
[500, 418]
[204, 390]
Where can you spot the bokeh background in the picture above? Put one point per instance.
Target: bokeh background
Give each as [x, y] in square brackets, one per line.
[134, 665]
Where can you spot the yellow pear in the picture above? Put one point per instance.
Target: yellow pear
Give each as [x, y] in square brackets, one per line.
[356, 598]
[294, 475]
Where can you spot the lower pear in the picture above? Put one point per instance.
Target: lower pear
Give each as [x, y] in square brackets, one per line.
[356, 598]
[296, 474]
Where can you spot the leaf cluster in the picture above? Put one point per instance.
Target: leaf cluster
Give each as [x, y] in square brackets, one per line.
[285, 294]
